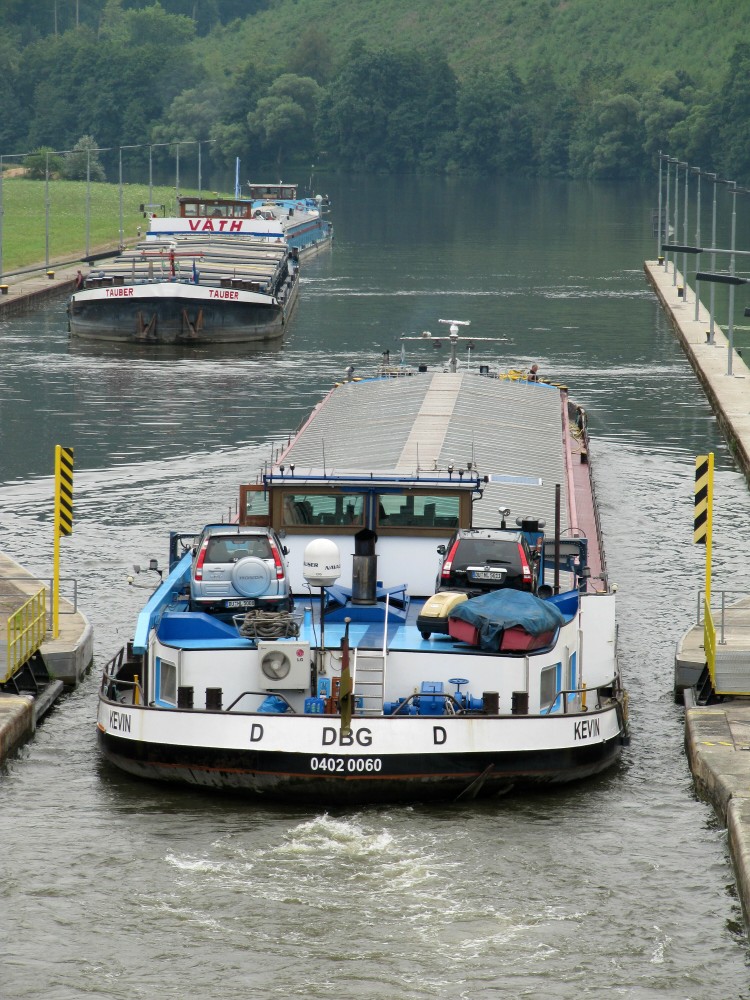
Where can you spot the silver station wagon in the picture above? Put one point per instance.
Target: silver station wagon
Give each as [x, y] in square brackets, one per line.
[239, 568]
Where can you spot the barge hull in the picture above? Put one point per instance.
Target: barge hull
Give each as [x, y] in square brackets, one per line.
[326, 778]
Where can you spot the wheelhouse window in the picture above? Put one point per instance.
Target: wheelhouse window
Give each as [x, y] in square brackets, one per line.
[418, 511]
[214, 209]
[335, 509]
[254, 505]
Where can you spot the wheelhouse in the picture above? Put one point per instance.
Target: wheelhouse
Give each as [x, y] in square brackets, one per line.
[215, 208]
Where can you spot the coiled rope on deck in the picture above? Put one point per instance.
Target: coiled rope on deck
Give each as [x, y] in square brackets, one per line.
[269, 625]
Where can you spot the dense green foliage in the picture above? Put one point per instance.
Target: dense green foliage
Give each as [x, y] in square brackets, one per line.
[581, 88]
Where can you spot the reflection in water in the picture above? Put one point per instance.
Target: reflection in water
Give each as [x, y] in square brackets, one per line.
[577, 892]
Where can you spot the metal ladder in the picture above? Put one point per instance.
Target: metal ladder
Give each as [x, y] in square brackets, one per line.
[369, 682]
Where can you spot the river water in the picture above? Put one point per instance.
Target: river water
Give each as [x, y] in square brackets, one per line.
[115, 888]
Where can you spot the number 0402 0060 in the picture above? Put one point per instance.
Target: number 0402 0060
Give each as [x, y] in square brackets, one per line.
[346, 765]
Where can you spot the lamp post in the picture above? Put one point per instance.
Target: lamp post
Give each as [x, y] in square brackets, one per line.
[730, 348]
[675, 228]
[666, 214]
[46, 209]
[151, 148]
[122, 228]
[685, 235]
[730, 279]
[88, 200]
[2, 212]
[698, 171]
[660, 238]
[200, 173]
[177, 176]
[722, 278]
[712, 296]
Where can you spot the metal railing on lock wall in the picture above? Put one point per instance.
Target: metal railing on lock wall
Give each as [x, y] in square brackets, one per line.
[27, 627]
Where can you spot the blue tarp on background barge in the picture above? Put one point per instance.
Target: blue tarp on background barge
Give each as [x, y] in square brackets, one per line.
[492, 613]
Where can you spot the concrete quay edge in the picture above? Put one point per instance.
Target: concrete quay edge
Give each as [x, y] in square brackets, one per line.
[717, 737]
[717, 744]
[729, 395]
[67, 658]
[31, 291]
[35, 287]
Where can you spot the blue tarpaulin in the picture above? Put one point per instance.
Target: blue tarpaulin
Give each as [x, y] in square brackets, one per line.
[492, 613]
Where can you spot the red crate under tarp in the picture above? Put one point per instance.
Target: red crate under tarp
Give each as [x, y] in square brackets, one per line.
[463, 631]
[517, 639]
[512, 640]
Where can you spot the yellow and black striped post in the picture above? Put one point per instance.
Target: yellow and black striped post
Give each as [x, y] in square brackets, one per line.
[704, 486]
[702, 535]
[63, 520]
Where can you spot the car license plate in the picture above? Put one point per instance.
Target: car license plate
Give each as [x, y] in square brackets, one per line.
[487, 574]
[242, 605]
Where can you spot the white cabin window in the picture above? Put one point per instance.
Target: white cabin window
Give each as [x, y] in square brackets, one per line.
[549, 685]
[166, 683]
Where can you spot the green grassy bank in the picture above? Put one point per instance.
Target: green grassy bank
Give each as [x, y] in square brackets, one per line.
[25, 218]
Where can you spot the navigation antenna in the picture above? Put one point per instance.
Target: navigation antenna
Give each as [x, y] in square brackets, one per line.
[454, 338]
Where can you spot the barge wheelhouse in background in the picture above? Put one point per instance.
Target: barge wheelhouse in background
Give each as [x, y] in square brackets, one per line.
[225, 270]
[344, 699]
[302, 219]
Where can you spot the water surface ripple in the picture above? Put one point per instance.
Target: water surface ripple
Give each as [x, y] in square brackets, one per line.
[115, 888]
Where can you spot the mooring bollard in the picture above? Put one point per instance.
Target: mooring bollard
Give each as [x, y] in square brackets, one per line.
[50, 274]
[3, 289]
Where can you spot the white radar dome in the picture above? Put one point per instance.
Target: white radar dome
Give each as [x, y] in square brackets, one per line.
[321, 563]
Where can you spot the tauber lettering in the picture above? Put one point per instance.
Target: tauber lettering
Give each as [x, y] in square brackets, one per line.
[117, 292]
[256, 733]
[222, 293]
[119, 720]
[362, 736]
[586, 729]
[439, 735]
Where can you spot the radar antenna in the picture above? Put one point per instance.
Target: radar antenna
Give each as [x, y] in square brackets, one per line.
[453, 338]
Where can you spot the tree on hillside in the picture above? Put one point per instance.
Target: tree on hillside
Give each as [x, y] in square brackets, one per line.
[551, 116]
[12, 118]
[609, 139]
[312, 56]
[494, 128]
[665, 109]
[82, 162]
[284, 120]
[42, 163]
[389, 109]
[114, 86]
[229, 142]
[731, 113]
